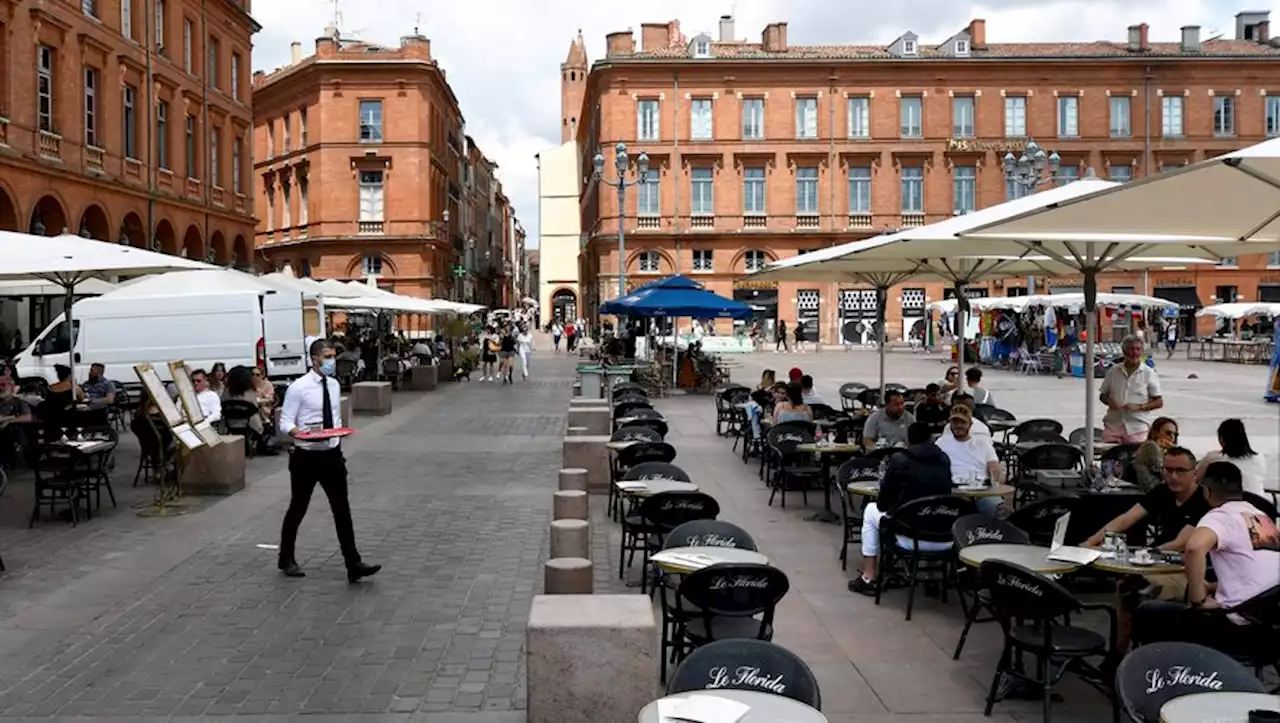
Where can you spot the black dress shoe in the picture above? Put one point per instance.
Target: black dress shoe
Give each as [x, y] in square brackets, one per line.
[360, 570]
[291, 569]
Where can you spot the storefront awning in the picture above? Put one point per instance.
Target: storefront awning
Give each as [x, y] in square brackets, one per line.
[1184, 296]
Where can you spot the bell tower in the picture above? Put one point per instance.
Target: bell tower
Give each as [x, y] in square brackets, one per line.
[573, 87]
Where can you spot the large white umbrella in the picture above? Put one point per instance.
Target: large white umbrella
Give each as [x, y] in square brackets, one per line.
[1240, 310]
[67, 261]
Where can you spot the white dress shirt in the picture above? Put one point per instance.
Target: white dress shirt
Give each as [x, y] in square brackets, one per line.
[210, 405]
[304, 408]
[1122, 388]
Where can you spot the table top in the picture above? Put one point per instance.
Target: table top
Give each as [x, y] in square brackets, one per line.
[1002, 425]
[621, 444]
[620, 421]
[871, 489]
[815, 448]
[1217, 707]
[654, 486]
[712, 556]
[1160, 567]
[1032, 557]
[765, 707]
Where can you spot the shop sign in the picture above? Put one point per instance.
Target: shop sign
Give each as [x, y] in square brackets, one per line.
[762, 285]
[1071, 281]
[1175, 282]
[972, 145]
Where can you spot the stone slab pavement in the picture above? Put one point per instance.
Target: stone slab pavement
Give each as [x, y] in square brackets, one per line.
[186, 618]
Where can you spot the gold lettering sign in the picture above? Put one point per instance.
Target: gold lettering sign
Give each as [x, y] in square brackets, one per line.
[1175, 282]
[1067, 281]
[1270, 280]
[973, 145]
[748, 284]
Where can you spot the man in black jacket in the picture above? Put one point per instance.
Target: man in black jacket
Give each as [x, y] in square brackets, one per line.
[920, 470]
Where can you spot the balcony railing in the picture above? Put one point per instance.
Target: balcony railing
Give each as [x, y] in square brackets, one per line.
[912, 220]
[649, 222]
[756, 220]
[369, 228]
[807, 221]
[94, 157]
[4, 131]
[193, 187]
[50, 145]
[217, 197]
[164, 177]
[702, 222]
[133, 168]
[242, 203]
[860, 220]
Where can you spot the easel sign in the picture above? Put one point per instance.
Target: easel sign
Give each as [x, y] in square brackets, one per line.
[187, 393]
[172, 415]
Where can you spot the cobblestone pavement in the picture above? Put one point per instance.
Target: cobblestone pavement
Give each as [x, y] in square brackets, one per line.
[187, 618]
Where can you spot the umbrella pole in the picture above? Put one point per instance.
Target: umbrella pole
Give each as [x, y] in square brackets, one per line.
[962, 321]
[1090, 329]
[70, 289]
[882, 293]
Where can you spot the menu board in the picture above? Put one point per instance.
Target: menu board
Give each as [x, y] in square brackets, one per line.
[155, 387]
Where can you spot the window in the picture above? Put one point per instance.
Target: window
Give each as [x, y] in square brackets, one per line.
[908, 47]
[159, 29]
[286, 205]
[215, 158]
[235, 165]
[702, 260]
[964, 180]
[215, 50]
[302, 127]
[753, 187]
[703, 192]
[186, 45]
[807, 117]
[1012, 189]
[962, 116]
[1273, 115]
[162, 135]
[193, 171]
[371, 195]
[700, 128]
[89, 7]
[1273, 259]
[371, 265]
[130, 122]
[702, 48]
[44, 88]
[859, 189]
[912, 189]
[647, 119]
[1015, 116]
[126, 18]
[370, 122]
[753, 119]
[1121, 126]
[235, 76]
[304, 201]
[962, 47]
[860, 117]
[1120, 174]
[910, 109]
[649, 262]
[807, 191]
[288, 134]
[1068, 116]
[754, 260]
[648, 193]
[1067, 174]
[1224, 115]
[271, 139]
[1171, 116]
[91, 106]
[271, 208]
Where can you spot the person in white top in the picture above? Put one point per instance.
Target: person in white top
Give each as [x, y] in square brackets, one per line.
[1131, 392]
[524, 345]
[210, 402]
[978, 428]
[1236, 449]
[973, 457]
[314, 402]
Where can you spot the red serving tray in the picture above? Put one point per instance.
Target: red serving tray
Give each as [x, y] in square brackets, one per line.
[326, 433]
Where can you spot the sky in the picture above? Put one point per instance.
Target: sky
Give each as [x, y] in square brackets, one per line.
[503, 56]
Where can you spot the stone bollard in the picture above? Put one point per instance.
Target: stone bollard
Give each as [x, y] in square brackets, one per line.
[570, 505]
[573, 478]
[588, 403]
[591, 454]
[371, 397]
[423, 378]
[216, 470]
[577, 431]
[567, 576]
[590, 658]
[596, 419]
[571, 538]
[345, 409]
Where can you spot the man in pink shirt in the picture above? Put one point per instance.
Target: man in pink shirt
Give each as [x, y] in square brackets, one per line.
[1245, 548]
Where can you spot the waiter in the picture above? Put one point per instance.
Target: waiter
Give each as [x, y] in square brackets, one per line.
[313, 402]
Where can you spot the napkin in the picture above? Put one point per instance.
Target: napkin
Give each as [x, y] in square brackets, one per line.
[701, 709]
[684, 559]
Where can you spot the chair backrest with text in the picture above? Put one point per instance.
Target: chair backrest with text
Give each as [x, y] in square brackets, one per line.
[709, 533]
[754, 665]
[1155, 674]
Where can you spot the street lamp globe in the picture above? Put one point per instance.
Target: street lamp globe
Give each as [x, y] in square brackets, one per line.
[642, 165]
[1055, 162]
[598, 162]
[621, 161]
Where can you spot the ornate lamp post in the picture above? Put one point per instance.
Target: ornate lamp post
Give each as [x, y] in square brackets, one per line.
[622, 163]
[1025, 175]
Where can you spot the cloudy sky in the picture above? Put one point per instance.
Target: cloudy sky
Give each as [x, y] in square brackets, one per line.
[503, 56]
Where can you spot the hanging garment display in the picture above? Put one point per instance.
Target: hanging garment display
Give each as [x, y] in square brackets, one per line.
[1273, 375]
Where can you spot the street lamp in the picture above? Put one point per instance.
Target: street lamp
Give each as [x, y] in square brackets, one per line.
[622, 162]
[1025, 175]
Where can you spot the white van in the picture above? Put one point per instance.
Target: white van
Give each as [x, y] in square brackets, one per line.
[200, 317]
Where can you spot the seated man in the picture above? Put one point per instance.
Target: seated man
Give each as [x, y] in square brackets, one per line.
[806, 390]
[972, 457]
[1244, 547]
[921, 470]
[888, 424]
[210, 402]
[1175, 507]
[14, 412]
[932, 410]
[979, 428]
[99, 388]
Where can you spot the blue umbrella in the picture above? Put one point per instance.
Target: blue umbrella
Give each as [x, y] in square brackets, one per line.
[676, 296]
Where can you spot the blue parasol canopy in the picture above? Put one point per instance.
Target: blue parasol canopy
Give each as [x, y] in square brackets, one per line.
[674, 297]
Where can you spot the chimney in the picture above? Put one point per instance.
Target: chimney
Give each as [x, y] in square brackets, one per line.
[620, 44]
[978, 34]
[653, 36]
[1191, 38]
[416, 47]
[326, 46]
[1138, 38]
[726, 29]
[295, 53]
[775, 38]
[1263, 33]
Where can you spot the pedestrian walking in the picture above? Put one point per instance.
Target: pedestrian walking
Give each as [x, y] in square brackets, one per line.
[781, 337]
[1170, 339]
[507, 355]
[557, 331]
[570, 336]
[524, 345]
[313, 403]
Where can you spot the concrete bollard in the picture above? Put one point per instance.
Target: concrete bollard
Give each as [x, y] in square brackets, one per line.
[567, 576]
[577, 431]
[571, 538]
[371, 398]
[423, 378]
[595, 419]
[591, 454]
[570, 505]
[590, 658]
[573, 478]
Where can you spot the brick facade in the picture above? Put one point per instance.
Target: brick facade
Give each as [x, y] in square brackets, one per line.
[944, 113]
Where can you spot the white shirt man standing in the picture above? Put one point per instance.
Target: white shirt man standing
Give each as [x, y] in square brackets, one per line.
[1131, 392]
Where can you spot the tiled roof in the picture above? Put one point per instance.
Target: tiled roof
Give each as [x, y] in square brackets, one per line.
[1094, 49]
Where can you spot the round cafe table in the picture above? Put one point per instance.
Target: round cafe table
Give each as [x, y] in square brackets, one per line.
[872, 489]
[1113, 565]
[1216, 707]
[764, 707]
[656, 486]
[713, 556]
[1032, 557]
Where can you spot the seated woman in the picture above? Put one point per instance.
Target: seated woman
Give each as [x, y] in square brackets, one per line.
[266, 391]
[1235, 448]
[792, 408]
[1148, 461]
[240, 385]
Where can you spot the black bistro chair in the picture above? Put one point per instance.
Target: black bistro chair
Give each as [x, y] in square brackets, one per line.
[793, 469]
[644, 529]
[928, 519]
[1031, 609]
[1141, 697]
[728, 416]
[637, 454]
[624, 388]
[1080, 434]
[635, 433]
[629, 409]
[858, 469]
[1039, 518]
[236, 415]
[869, 399]
[1050, 456]
[770, 661]
[969, 531]
[849, 392]
[1039, 430]
[656, 470]
[710, 533]
[656, 423]
[735, 601]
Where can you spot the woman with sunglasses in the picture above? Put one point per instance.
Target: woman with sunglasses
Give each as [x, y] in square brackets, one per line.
[1148, 461]
[951, 382]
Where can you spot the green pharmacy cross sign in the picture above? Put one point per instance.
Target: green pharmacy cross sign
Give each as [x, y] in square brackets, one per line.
[459, 270]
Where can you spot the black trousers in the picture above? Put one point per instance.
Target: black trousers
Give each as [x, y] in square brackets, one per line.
[1156, 621]
[328, 468]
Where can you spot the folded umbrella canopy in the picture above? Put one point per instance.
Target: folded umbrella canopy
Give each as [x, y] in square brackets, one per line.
[676, 297]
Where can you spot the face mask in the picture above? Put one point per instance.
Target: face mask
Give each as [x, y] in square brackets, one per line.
[329, 367]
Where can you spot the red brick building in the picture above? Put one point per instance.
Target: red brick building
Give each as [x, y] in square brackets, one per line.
[763, 150]
[128, 121]
[364, 169]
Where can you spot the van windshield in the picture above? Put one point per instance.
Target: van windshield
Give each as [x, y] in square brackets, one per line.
[58, 340]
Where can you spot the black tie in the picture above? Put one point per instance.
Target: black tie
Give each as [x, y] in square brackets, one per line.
[327, 414]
